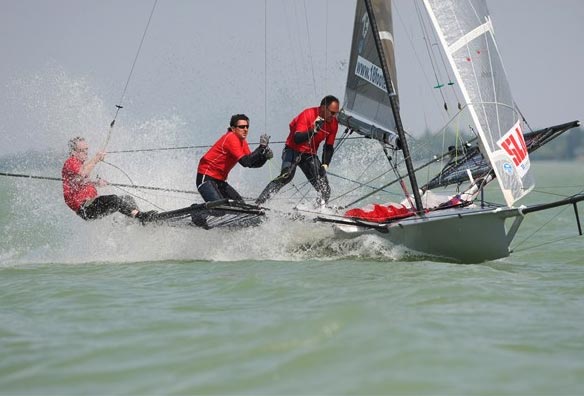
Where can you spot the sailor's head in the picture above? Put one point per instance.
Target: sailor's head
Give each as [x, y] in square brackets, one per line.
[329, 108]
[239, 124]
[78, 148]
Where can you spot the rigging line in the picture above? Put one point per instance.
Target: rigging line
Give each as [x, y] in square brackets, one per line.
[306, 183]
[290, 187]
[364, 170]
[326, 21]
[554, 217]
[109, 184]
[317, 179]
[356, 182]
[428, 46]
[444, 65]
[131, 182]
[119, 105]
[140, 198]
[138, 187]
[272, 169]
[544, 243]
[169, 196]
[358, 187]
[437, 159]
[314, 164]
[398, 163]
[296, 48]
[265, 61]
[298, 191]
[506, 74]
[555, 194]
[138, 52]
[418, 58]
[309, 49]
[340, 141]
[520, 113]
[160, 149]
[282, 197]
[30, 176]
[129, 178]
[121, 170]
[556, 187]
[203, 147]
[398, 176]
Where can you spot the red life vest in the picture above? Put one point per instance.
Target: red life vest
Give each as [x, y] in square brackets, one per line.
[223, 156]
[302, 123]
[76, 189]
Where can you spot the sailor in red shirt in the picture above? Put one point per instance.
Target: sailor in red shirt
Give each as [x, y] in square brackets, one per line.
[230, 149]
[80, 191]
[307, 131]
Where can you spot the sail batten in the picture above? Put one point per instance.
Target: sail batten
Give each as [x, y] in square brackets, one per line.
[385, 35]
[470, 36]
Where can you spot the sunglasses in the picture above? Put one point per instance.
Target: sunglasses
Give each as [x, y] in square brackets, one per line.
[242, 126]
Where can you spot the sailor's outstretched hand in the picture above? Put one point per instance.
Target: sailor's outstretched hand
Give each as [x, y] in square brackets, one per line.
[264, 140]
[318, 123]
[268, 153]
[100, 156]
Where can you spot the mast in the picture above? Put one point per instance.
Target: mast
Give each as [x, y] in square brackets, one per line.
[395, 108]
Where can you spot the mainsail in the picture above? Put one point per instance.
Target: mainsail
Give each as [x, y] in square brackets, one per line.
[466, 34]
[367, 108]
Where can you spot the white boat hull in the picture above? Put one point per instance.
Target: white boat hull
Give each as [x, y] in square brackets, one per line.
[464, 235]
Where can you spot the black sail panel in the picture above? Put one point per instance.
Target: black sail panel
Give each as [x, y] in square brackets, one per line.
[366, 96]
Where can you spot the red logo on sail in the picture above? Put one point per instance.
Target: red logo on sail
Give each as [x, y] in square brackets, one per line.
[514, 145]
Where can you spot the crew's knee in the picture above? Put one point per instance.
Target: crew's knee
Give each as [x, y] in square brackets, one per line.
[128, 200]
[116, 201]
[285, 177]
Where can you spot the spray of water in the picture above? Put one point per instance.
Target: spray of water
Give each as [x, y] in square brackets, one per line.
[40, 228]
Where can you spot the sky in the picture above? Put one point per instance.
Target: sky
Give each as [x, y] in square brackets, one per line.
[65, 64]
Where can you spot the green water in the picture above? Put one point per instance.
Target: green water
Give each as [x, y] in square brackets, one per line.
[113, 308]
